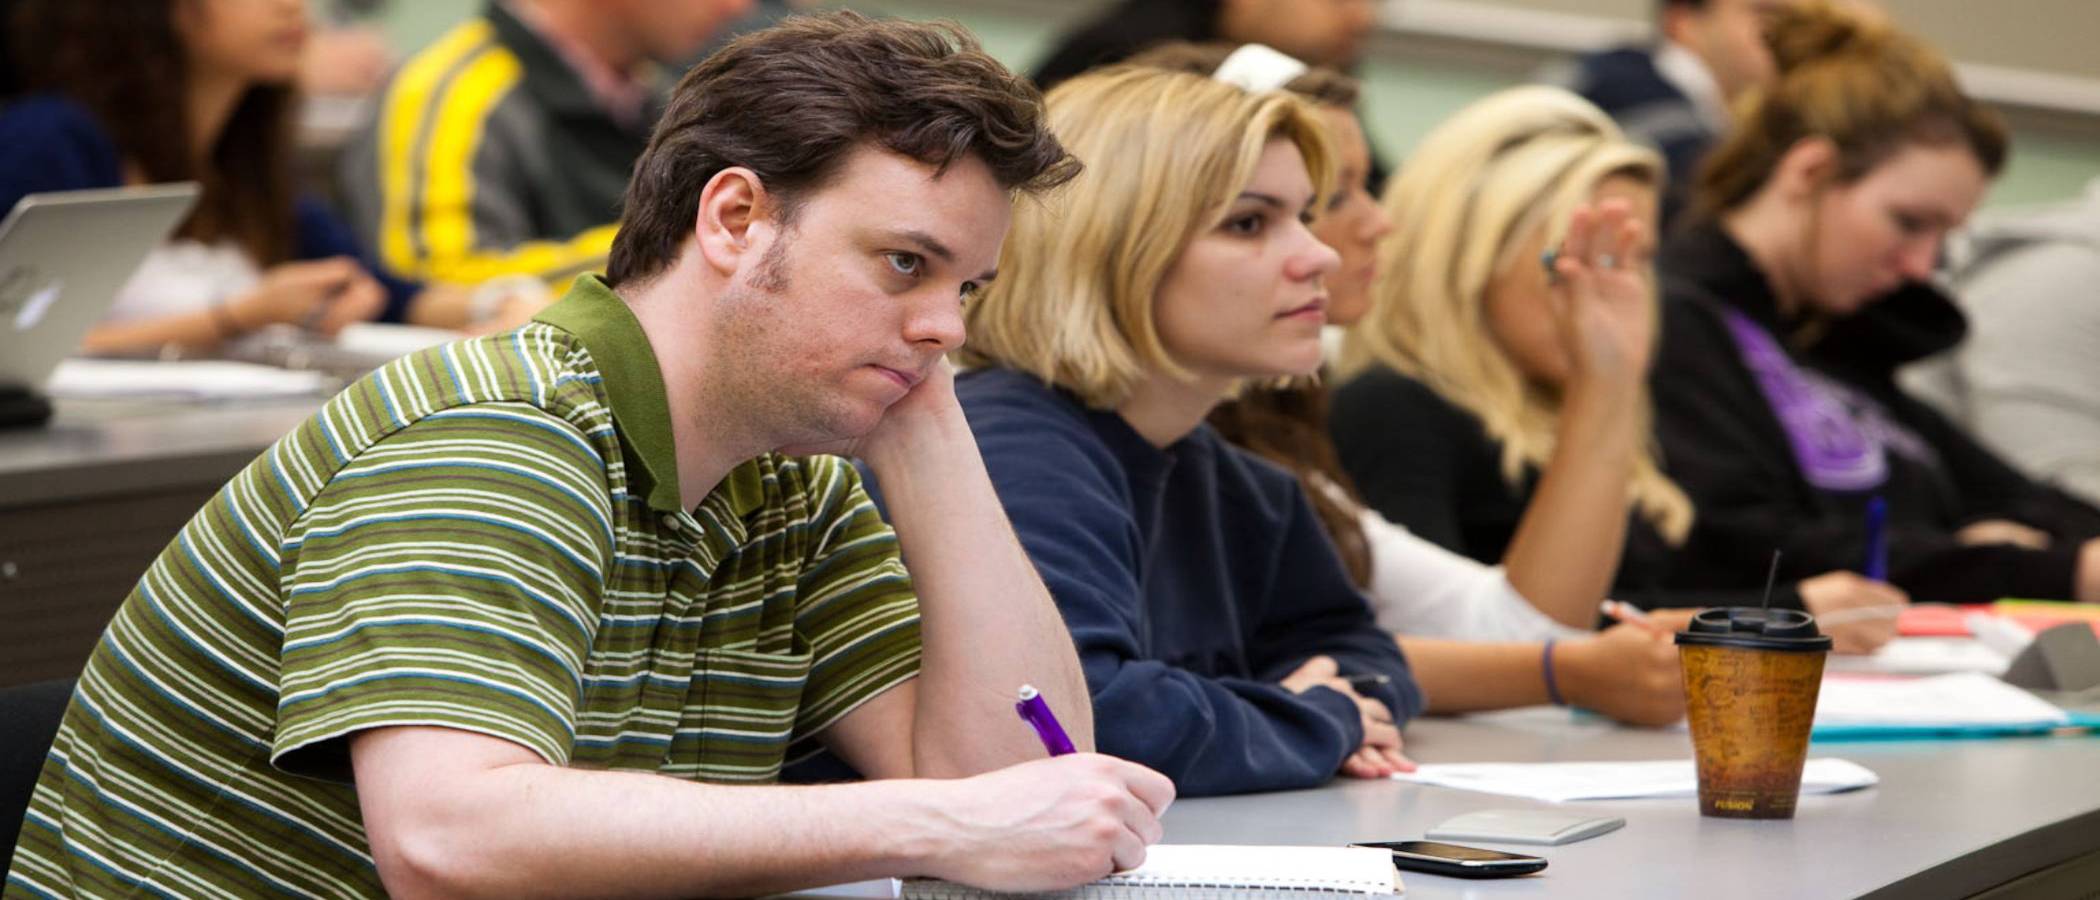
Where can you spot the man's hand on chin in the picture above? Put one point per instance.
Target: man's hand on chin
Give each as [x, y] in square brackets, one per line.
[924, 413]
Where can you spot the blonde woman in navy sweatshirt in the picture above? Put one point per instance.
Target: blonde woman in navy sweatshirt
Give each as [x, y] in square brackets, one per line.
[1222, 639]
[1213, 619]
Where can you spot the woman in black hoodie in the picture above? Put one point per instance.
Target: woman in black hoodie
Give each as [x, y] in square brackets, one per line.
[1791, 300]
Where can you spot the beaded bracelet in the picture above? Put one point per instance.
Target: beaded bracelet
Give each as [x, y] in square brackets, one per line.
[1546, 666]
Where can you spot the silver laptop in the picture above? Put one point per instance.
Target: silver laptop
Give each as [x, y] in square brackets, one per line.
[63, 257]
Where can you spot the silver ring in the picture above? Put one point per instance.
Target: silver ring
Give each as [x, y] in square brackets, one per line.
[1607, 261]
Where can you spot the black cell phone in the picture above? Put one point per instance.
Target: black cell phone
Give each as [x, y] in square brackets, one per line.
[1452, 859]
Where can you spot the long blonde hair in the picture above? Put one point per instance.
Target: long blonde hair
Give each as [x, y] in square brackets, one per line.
[1166, 153]
[1473, 195]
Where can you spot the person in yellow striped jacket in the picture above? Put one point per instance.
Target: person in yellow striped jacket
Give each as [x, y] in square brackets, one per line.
[502, 149]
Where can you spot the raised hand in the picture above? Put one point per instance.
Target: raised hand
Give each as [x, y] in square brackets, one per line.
[1603, 294]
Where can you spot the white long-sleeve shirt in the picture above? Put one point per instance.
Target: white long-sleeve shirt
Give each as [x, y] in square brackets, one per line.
[1420, 589]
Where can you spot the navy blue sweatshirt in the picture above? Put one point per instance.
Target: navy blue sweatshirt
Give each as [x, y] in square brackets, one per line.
[50, 143]
[1193, 578]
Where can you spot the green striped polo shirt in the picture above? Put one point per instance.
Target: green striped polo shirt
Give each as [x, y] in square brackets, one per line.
[484, 536]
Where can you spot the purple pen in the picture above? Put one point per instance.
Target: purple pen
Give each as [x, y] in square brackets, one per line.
[1037, 713]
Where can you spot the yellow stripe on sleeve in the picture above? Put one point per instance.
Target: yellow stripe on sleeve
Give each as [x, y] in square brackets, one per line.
[400, 125]
[448, 174]
[555, 261]
[449, 245]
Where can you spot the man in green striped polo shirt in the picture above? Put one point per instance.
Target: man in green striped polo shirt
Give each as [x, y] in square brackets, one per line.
[523, 615]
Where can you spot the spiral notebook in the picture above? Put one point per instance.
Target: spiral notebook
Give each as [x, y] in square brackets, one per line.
[1205, 870]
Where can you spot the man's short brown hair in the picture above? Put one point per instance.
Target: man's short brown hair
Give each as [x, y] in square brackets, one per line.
[791, 102]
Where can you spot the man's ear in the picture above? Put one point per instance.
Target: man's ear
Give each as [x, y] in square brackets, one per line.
[1806, 168]
[733, 203]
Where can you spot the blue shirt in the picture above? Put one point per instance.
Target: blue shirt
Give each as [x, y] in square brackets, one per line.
[50, 143]
[1193, 579]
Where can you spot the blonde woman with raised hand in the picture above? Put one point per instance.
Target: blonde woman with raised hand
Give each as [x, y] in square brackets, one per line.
[1495, 396]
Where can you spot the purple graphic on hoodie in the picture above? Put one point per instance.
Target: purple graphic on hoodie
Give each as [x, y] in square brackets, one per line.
[1840, 437]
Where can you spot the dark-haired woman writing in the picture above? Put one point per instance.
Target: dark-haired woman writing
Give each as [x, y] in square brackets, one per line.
[1788, 309]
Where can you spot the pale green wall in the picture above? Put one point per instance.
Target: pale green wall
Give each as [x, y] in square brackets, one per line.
[1403, 100]
[2045, 168]
[412, 23]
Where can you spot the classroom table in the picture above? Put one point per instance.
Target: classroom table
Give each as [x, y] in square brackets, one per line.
[88, 500]
[86, 503]
[2007, 817]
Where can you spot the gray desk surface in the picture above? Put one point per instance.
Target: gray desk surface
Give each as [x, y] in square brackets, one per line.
[103, 448]
[88, 500]
[1949, 819]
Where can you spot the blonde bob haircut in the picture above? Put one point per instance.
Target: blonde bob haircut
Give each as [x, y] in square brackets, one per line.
[1473, 197]
[1166, 153]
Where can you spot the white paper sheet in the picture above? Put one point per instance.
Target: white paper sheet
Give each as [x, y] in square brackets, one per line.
[185, 380]
[1311, 868]
[1563, 782]
[1924, 656]
[1962, 699]
[1214, 870]
[385, 341]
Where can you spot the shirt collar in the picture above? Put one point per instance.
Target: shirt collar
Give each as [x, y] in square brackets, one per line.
[1686, 72]
[634, 386]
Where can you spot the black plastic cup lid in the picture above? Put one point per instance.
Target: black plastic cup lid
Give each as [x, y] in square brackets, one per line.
[1752, 628]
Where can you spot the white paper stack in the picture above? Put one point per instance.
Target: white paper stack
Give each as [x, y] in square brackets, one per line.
[1924, 656]
[1963, 700]
[1563, 782]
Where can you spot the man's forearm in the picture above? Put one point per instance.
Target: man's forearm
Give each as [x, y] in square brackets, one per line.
[656, 837]
[988, 624]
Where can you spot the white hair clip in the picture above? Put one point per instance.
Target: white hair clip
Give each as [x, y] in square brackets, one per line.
[1259, 68]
